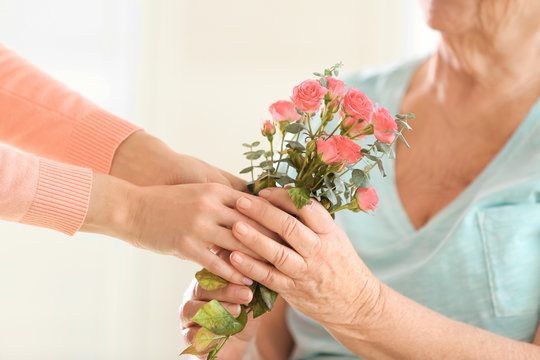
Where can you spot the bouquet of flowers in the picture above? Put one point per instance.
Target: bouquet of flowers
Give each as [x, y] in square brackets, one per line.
[314, 155]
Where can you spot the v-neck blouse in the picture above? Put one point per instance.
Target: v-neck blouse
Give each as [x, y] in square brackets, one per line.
[477, 261]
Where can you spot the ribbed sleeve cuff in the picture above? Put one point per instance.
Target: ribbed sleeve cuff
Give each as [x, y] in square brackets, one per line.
[95, 139]
[62, 197]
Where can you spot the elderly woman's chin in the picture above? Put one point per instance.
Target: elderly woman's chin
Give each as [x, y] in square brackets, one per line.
[450, 16]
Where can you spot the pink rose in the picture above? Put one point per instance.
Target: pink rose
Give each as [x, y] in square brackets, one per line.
[367, 198]
[268, 129]
[339, 149]
[353, 126]
[336, 88]
[357, 104]
[384, 125]
[283, 111]
[308, 95]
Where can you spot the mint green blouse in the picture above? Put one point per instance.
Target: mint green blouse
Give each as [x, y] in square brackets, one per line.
[477, 261]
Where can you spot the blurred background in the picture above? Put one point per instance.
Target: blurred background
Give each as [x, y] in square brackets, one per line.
[198, 74]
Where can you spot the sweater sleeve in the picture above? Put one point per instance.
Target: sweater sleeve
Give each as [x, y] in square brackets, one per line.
[42, 116]
[42, 192]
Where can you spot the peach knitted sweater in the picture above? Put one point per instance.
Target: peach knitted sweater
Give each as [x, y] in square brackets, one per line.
[63, 138]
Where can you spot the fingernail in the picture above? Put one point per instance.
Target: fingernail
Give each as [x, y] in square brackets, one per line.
[264, 193]
[237, 258]
[247, 281]
[244, 294]
[243, 203]
[241, 228]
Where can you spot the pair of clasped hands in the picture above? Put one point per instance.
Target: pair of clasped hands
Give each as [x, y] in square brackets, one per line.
[174, 204]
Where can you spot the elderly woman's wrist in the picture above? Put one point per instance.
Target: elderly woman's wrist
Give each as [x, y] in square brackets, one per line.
[365, 311]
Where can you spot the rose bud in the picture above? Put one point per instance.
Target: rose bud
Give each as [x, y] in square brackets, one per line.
[366, 198]
[283, 111]
[354, 127]
[268, 129]
[308, 95]
[384, 125]
[357, 105]
[336, 88]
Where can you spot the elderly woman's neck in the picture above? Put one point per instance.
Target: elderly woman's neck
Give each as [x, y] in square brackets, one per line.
[469, 64]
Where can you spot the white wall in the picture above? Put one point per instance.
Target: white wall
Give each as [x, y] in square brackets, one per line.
[200, 75]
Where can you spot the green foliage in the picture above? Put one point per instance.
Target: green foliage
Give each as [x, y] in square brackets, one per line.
[299, 196]
[214, 317]
[209, 281]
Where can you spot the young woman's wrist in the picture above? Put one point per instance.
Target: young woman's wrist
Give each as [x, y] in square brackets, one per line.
[112, 207]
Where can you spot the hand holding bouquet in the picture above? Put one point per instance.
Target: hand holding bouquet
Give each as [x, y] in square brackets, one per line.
[318, 132]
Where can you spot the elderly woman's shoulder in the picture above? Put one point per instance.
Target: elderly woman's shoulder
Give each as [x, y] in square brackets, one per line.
[371, 80]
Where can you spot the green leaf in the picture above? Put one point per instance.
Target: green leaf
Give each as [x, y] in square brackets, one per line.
[411, 116]
[209, 281]
[299, 196]
[384, 148]
[295, 145]
[381, 167]
[214, 317]
[317, 74]
[403, 139]
[255, 143]
[324, 82]
[254, 155]
[263, 182]
[299, 111]
[284, 180]
[360, 178]
[205, 340]
[266, 163]
[327, 72]
[331, 196]
[336, 72]
[246, 145]
[268, 296]
[191, 351]
[403, 124]
[401, 116]
[340, 185]
[294, 128]
[246, 170]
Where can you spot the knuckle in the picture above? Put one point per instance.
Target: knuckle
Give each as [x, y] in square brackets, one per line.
[269, 278]
[281, 257]
[289, 227]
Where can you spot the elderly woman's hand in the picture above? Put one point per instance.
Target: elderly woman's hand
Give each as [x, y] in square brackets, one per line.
[321, 275]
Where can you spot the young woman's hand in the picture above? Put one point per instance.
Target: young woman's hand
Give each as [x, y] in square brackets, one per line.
[143, 159]
[189, 221]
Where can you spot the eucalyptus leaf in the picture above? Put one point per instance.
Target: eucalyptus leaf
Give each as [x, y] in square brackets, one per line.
[255, 143]
[299, 111]
[401, 116]
[295, 145]
[340, 185]
[299, 196]
[209, 281]
[327, 72]
[317, 74]
[324, 82]
[328, 182]
[246, 170]
[411, 116]
[246, 145]
[403, 139]
[284, 180]
[360, 178]
[294, 128]
[381, 167]
[331, 196]
[218, 320]
[255, 155]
